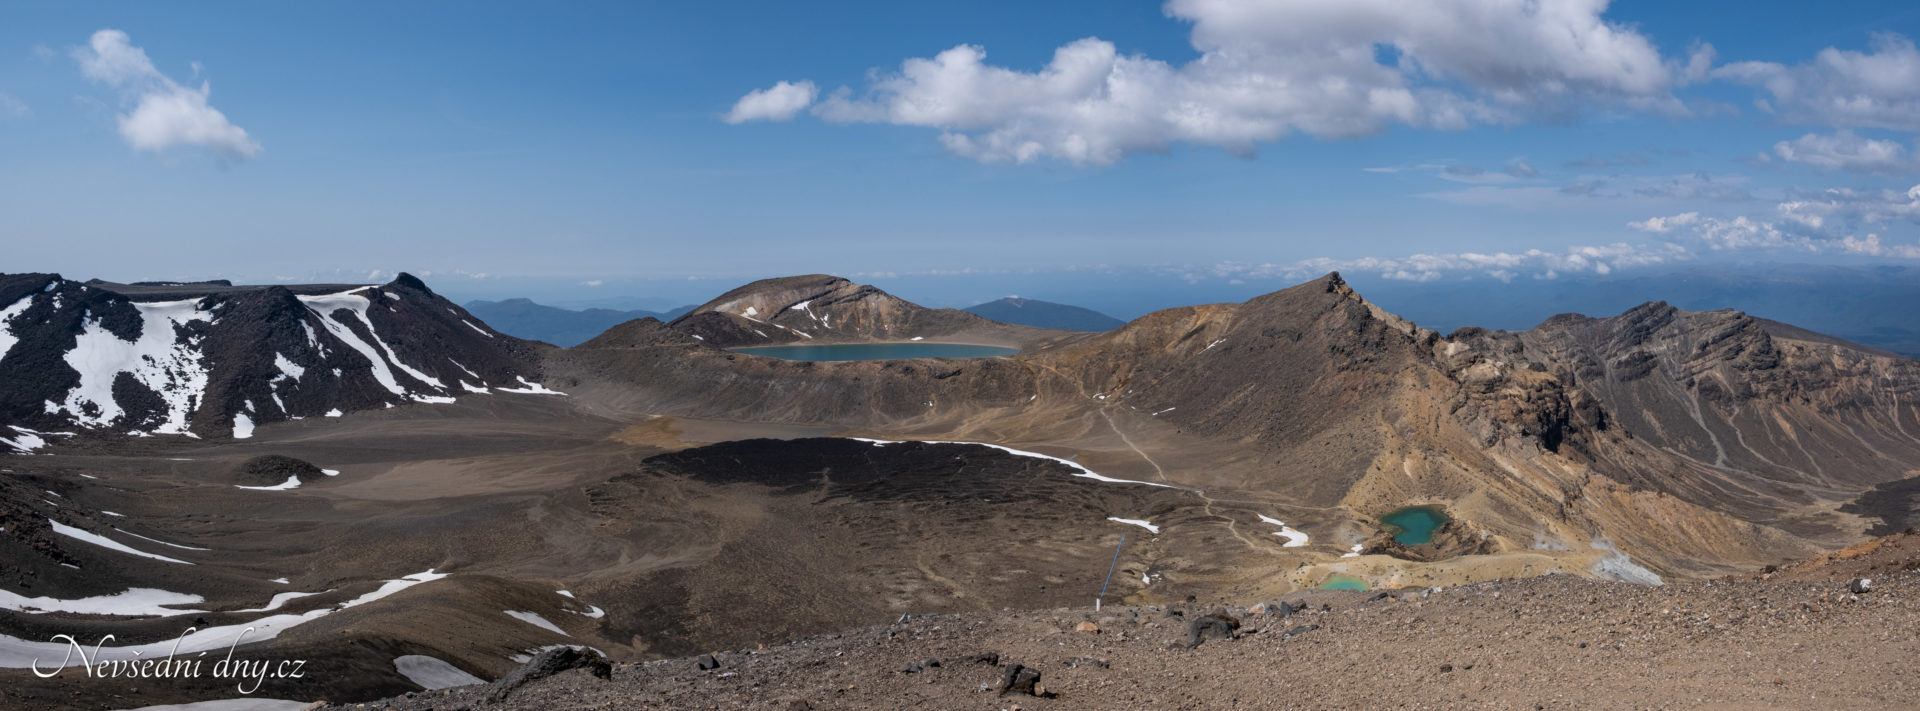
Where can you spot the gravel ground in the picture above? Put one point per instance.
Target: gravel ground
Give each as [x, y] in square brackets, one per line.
[1793, 638]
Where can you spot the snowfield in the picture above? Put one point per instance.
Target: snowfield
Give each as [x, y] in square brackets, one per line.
[155, 359]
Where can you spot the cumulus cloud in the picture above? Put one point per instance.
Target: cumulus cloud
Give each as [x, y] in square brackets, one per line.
[1267, 70]
[1844, 151]
[1505, 266]
[1826, 222]
[779, 102]
[1519, 168]
[165, 113]
[1879, 88]
[1663, 225]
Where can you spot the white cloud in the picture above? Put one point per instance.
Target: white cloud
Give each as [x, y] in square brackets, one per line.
[1505, 266]
[165, 113]
[1269, 69]
[1827, 222]
[779, 102]
[592, 282]
[1844, 151]
[1663, 225]
[11, 107]
[1876, 89]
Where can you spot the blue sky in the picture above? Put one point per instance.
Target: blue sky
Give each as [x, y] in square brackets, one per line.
[577, 148]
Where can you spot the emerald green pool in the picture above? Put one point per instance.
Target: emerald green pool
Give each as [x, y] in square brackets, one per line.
[1414, 525]
[1343, 582]
[877, 351]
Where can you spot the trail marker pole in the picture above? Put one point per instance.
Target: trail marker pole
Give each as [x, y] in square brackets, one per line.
[1110, 568]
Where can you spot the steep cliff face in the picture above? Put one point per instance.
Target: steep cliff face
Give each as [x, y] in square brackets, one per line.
[822, 308]
[211, 360]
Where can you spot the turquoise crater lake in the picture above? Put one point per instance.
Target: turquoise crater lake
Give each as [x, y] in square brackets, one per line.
[877, 351]
[1415, 524]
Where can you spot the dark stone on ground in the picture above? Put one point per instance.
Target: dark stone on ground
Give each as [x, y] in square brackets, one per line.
[546, 664]
[1216, 626]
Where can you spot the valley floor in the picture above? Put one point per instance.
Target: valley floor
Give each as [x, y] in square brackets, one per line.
[1797, 638]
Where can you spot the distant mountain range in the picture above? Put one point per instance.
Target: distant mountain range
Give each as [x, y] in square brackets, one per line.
[1045, 314]
[522, 318]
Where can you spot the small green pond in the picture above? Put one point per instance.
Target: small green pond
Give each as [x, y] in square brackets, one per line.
[1343, 582]
[1414, 525]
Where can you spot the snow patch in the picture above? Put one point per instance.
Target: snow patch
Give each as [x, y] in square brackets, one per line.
[534, 618]
[1135, 522]
[288, 369]
[242, 426]
[530, 389]
[376, 353]
[6, 322]
[482, 331]
[105, 542]
[1295, 538]
[280, 599]
[292, 482]
[161, 542]
[1079, 471]
[16, 653]
[133, 602]
[432, 673]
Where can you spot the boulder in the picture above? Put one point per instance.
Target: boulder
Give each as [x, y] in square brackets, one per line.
[707, 662]
[1215, 626]
[1087, 627]
[549, 663]
[1020, 680]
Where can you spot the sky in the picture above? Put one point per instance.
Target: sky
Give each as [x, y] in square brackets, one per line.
[599, 151]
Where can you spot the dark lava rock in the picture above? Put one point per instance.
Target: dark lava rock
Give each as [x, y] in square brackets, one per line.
[546, 664]
[1860, 586]
[911, 668]
[707, 662]
[1214, 626]
[271, 469]
[988, 658]
[929, 662]
[1019, 679]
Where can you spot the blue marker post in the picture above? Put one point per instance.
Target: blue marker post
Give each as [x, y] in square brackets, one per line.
[1110, 568]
